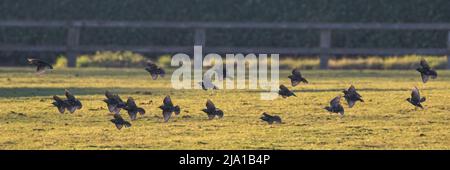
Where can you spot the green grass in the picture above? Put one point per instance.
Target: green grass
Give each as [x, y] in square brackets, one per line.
[385, 121]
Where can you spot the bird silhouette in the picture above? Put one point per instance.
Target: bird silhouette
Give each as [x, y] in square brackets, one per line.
[351, 96]
[270, 119]
[154, 70]
[133, 109]
[335, 106]
[120, 122]
[296, 78]
[60, 104]
[41, 66]
[73, 103]
[168, 108]
[206, 84]
[212, 111]
[285, 92]
[415, 99]
[425, 71]
[114, 102]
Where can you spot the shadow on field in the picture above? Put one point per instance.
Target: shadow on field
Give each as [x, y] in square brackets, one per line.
[44, 91]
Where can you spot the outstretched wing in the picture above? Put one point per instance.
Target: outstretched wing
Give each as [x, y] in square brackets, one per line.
[131, 103]
[296, 72]
[166, 115]
[425, 77]
[424, 64]
[69, 95]
[336, 101]
[415, 95]
[284, 88]
[210, 105]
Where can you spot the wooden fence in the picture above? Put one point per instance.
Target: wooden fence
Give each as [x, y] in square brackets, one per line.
[324, 49]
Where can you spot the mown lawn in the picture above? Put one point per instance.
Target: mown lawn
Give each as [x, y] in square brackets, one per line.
[385, 121]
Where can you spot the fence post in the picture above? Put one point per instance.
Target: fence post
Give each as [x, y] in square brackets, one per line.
[325, 44]
[448, 50]
[73, 38]
[200, 37]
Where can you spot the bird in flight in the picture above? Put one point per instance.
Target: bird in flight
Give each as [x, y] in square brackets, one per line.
[168, 108]
[415, 99]
[114, 102]
[212, 111]
[351, 96]
[60, 104]
[133, 109]
[335, 106]
[285, 92]
[270, 119]
[207, 84]
[120, 122]
[425, 71]
[154, 70]
[297, 77]
[42, 66]
[73, 103]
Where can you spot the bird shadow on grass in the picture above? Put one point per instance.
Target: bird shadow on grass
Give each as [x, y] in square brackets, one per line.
[50, 91]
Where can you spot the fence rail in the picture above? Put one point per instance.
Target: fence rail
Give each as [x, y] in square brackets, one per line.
[72, 47]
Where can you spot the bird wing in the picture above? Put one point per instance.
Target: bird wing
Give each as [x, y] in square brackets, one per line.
[284, 88]
[219, 113]
[132, 114]
[294, 82]
[415, 95]
[131, 103]
[166, 115]
[425, 77]
[424, 64]
[336, 101]
[69, 95]
[210, 105]
[296, 72]
[167, 101]
[350, 102]
[352, 89]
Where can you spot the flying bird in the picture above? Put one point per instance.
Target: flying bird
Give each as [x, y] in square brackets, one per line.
[425, 71]
[285, 92]
[120, 122]
[42, 66]
[73, 103]
[212, 111]
[297, 77]
[335, 106]
[270, 119]
[206, 84]
[351, 96]
[60, 104]
[114, 102]
[154, 70]
[415, 99]
[168, 108]
[133, 109]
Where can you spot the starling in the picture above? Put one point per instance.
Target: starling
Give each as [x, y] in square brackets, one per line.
[285, 92]
[168, 108]
[114, 102]
[212, 111]
[335, 106]
[270, 119]
[60, 104]
[154, 70]
[42, 66]
[425, 71]
[73, 103]
[297, 77]
[207, 85]
[351, 96]
[415, 99]
[120, 122]
[133, 109]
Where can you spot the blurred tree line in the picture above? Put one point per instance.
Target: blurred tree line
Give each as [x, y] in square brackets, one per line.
[386, 11]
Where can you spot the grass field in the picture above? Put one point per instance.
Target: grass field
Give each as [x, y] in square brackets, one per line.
[385, 121]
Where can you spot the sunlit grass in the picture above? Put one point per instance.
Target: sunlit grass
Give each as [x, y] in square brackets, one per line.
[384, 121]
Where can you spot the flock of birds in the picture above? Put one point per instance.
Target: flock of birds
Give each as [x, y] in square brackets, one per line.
[115, 103]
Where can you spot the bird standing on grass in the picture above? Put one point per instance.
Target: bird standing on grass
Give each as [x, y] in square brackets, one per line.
[42, 66]
[154, 70]
[120, 122]
[296, 78]
[270, 119]
[114, 102]
[425, 71]
[212, 111]
[335, 106]
[133, 109]
[351, 96]
[168, 108]
[415, 99]
[285, 92]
